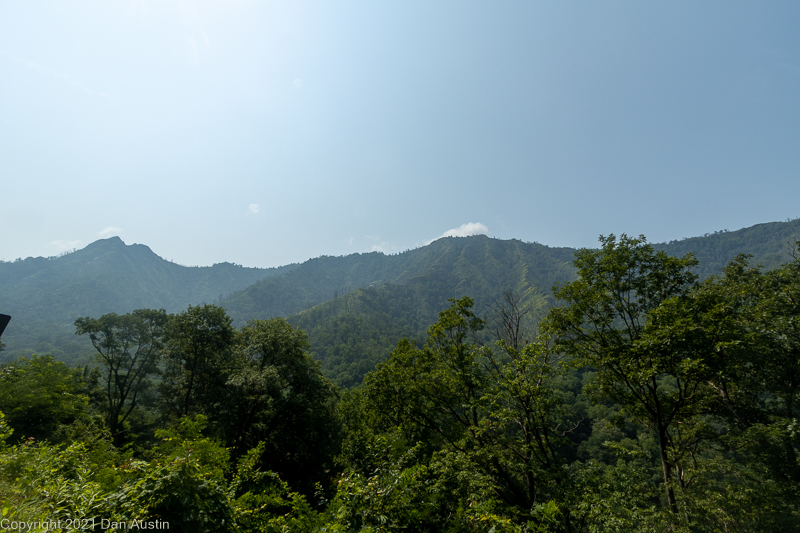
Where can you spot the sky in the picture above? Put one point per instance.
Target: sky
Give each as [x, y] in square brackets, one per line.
[269, 132]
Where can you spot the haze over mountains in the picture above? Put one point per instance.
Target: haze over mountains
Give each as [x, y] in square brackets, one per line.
[353, 307]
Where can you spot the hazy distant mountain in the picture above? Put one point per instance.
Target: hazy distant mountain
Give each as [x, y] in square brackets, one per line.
[352, 333]
[468, 264]
[44, 295]
[354, 307]
[768, 243]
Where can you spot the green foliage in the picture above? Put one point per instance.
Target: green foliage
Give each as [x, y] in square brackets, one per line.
[709, 370]
[491, 413]
[650, 368]
[128, 349]
[264, 503]
[618, 497]
[39, 481]
[186, 440]
[39, 394]
[184, 484]
[5, 431]
[388, 500]
[651, 403]
[46, 295]
[198, 360]
[181, 490]
[278, 397]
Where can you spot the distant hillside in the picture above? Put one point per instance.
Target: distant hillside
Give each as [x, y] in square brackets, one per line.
[465, 263]
[769, 244]
[352, 333]
[354, 308]
[45, 295]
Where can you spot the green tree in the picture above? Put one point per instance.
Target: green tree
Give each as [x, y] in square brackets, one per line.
[490, 413]
[38, 394]
[128, 349]
[651, 368]
[278, 397]
[748, 324]
[198, 360]
[757, 314]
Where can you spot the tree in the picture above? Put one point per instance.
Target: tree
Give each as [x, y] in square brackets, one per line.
[509, 316]
[490, 411]
[754, 320]
[278, 397]
[198, 360]
[38, 394]
[128, 348]
[650, 367]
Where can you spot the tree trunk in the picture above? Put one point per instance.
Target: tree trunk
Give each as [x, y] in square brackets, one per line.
[667, 469]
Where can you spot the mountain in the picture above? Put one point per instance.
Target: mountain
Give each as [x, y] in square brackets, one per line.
[769, 244]
[45, 295]
[354, 332]
[469, 264]
[353, 307]
[398, 296]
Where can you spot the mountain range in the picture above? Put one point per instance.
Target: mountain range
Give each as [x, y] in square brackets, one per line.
[353, 307]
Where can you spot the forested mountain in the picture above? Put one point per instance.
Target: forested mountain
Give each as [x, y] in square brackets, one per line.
[646, 378]
[461, 264]
[45, 295]
[400, 295]
[768, 243]
[352, 333]
[353, 307]
[192, 419]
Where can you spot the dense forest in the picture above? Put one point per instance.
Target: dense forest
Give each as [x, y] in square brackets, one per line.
[643, 393]
[354, 307]
[46, 294]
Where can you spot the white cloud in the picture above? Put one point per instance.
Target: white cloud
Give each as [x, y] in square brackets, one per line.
[350, 240]
[109, 231]
[57, 74]
[252, 209]
[297, 83]
[464, 230]
[379, 246]
[64, 245]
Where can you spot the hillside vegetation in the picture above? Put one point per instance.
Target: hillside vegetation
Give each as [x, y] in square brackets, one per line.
[45, 295]
[350, 334]
[645, 400]
[353, 307]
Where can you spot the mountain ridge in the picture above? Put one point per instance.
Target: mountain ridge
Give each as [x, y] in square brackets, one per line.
[45, 295]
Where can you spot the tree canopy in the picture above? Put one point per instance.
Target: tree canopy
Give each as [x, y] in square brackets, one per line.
[648, 400]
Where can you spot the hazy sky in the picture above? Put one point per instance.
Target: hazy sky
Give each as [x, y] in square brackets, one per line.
[264, 133]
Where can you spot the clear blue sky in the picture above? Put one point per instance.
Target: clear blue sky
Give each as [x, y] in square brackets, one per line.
[264, 133]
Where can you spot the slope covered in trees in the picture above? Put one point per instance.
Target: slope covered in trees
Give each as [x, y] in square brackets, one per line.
[44, 295]
[455, 265]
[352, 306]
[769, 244]
[650, 401]
[352, 333]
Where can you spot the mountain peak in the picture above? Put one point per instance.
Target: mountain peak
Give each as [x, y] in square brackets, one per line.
[114, 242]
